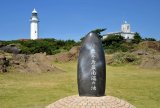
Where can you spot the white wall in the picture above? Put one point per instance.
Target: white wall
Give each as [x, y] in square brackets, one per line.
[34, 30]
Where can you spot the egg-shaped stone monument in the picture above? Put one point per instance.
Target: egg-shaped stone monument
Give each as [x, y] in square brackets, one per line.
[91, 67]
[91, 78]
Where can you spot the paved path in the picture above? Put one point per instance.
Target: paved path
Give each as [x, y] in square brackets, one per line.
[90, 102]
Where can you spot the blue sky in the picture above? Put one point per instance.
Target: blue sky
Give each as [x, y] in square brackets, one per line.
[72, 19]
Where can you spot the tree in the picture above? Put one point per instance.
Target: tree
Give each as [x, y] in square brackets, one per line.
[137, 38]
[98, 31]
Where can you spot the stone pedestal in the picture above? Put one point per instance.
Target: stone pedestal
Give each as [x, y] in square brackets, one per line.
[90, 102]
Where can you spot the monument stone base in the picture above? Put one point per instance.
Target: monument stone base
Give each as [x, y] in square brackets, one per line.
[76, 101]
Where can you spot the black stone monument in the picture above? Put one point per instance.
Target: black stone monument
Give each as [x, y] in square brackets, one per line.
[91, 67]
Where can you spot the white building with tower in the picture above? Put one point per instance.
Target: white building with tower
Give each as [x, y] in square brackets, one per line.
[34, 25]
[125, 32]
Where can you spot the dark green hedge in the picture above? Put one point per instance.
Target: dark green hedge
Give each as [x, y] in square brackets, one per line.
[50, 46]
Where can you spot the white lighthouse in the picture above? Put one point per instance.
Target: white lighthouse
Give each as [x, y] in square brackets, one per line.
[34, 25]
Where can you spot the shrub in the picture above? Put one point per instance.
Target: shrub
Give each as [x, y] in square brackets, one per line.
[137, 38]
[149, 39]
[123, 58]
[114, 43]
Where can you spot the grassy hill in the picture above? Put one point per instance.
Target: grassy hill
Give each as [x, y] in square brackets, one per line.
[138, 86]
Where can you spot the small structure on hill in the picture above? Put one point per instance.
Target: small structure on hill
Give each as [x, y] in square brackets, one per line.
[125, 32]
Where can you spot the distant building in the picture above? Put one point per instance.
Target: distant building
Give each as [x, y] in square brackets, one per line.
[34, 25]
[125, 32]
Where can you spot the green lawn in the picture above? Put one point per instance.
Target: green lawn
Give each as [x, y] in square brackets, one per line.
[140, 87]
